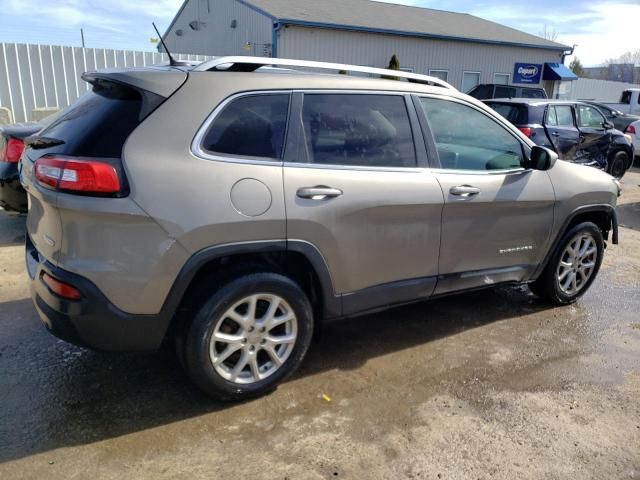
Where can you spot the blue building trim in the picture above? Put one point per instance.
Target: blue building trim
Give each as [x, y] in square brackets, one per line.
[355, 28]
[256, 9]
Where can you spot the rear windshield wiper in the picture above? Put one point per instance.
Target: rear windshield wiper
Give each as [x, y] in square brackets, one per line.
[36, 142]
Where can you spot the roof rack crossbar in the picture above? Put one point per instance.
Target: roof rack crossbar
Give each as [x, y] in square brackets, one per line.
[250, 64]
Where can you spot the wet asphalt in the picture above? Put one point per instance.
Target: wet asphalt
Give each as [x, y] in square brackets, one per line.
[491, 384]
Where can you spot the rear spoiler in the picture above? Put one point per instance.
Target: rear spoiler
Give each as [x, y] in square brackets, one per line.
[155, 85]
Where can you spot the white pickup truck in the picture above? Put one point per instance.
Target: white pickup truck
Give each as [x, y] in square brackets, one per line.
[629, 102]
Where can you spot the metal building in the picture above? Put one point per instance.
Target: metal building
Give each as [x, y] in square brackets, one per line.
[463, 49]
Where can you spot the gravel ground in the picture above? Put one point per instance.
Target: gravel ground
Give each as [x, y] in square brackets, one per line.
[490, 384]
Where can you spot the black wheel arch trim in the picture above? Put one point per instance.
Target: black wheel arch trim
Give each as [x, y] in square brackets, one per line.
[331, 302]
[605, 208]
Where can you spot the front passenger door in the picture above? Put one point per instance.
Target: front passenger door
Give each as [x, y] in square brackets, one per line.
[594, 138]
[561, 129]
[497, 216]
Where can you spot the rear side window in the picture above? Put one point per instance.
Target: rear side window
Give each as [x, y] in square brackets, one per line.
[516, 114]
[358, 130]
[250, 126]
[98, 123]
[626, 97]
[467, 139]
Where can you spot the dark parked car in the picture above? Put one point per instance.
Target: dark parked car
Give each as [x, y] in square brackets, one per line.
[13, 198]
[486, 91]
[619, 119]
[577, 131]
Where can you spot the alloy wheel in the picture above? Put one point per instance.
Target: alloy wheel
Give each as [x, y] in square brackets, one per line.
[253, 338]
[577, 264]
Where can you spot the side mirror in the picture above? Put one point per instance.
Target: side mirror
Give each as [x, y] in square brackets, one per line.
[608, 125]
[542, 158]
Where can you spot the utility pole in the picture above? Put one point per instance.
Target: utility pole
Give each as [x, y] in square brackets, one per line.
[82, 36]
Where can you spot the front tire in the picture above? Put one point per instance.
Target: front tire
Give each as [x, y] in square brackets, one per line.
[573, 266]
[248, 336]
[618, 163]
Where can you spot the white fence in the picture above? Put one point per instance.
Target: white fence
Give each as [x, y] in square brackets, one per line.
[597, 90]
[48, 76]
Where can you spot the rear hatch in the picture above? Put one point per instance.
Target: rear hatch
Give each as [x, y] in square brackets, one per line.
[516, 113]
[80, 153]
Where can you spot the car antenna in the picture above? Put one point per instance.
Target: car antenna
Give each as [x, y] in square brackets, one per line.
[172, 61]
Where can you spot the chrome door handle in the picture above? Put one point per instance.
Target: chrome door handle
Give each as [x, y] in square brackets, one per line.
[555, 134]
[318, 193]
[464, 191]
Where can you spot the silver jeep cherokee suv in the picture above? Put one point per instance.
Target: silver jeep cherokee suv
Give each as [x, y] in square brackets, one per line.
[232, 206]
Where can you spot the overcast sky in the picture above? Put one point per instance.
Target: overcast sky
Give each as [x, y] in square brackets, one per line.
[601, 28]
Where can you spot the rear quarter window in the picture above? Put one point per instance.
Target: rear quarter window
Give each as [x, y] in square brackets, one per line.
[98, 123]
[250, 126]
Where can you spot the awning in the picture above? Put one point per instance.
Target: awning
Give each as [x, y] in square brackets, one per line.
[558, 71]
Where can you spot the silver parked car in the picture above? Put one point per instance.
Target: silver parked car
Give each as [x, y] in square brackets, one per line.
[231, 207]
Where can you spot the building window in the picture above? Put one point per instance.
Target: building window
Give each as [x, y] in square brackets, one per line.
[441, 74]
[469, 80]
[406, 69]
[501, 78]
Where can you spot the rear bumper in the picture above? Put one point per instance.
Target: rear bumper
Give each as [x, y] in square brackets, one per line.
[92, 321]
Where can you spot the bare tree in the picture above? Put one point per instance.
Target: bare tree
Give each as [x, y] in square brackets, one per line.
[632, 56]
[550, 33]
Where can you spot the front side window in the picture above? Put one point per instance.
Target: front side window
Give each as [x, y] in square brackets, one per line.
[467, 139]
[358, 130]
[532, 93]
[504, 92]
[250, 126]
[589, 117]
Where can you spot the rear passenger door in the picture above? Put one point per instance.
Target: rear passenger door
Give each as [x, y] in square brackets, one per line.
[559, 123]
[357, 191]
[497, 216]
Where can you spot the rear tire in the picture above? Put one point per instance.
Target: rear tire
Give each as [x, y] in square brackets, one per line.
[573, 266]
[618, 163]
[248, 336]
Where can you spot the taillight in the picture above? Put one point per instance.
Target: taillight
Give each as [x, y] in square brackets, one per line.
[12, 151]
[630, 129]
[61, 289]
[525, 130]
[85, 176]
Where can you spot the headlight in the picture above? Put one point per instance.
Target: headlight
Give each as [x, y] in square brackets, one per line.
[628, 138]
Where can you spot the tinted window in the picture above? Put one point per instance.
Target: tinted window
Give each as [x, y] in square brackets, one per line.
[467, 139]
[481, 92]
[98, 123]
[251, 126]
[589, 117]
[504, 92]
[565, 116]
[626, 97]
[366, 130]
[516, 114]
[532, 93]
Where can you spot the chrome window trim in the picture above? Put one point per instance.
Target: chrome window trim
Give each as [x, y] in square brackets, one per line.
[199, 151]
